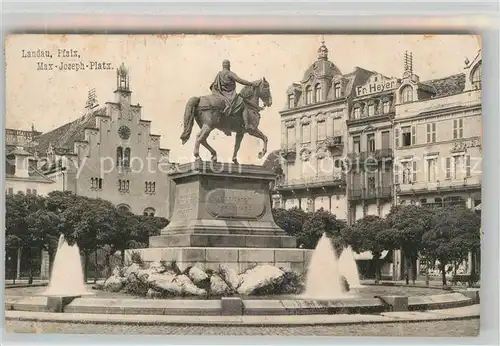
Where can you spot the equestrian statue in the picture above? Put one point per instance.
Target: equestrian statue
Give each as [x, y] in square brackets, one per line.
[227, 111]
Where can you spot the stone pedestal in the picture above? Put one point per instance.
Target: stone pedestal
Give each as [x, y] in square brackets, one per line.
[221, 204]
[222, 215]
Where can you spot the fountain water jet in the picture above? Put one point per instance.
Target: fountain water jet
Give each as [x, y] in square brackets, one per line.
[67, 274]
[323, 280]
[349, 268]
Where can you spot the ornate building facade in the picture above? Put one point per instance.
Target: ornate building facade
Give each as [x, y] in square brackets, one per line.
[438, 138]
[370, 148]
[313, 137]
[110, 153]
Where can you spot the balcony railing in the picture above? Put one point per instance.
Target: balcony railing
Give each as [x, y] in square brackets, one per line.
[323, 181]
[472, 182]
[334, 142]
[370, 193]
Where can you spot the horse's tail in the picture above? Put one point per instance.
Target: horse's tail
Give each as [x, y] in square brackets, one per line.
[189, 114]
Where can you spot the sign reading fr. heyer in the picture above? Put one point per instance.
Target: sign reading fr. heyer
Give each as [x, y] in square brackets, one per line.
[376, 86]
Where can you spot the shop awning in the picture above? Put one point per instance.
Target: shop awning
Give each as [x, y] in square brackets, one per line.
[368, 256]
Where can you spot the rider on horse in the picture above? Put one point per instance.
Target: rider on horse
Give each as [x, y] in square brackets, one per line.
[224, 86]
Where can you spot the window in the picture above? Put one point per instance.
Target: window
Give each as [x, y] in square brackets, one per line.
[317, 93]
[290, 133]
[291, 101]
[414, 172]
[357, 112]
[100, 183]
[150, 187]
[371, 109]
[119, 156]
[409, 135]
[406, 173]
[309, 95]
[477, 76]
[123, 185]
[306, 133]
[126, 157]
[356, 144]
[149, 212]
[337, 90]
[96, 183]
[456, 167]
[467, 165]
[386, 140]
[123, 208]
[370, 140]
[407, 94]
[458, 128]
[396, 174]
[448, 168]
[386, 107]
[438, 201]
[371, 185]
[431, 133]
[431, 170]
[423, 201]
[321, 130]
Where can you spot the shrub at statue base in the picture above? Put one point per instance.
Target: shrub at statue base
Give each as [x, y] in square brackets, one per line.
[162, 280]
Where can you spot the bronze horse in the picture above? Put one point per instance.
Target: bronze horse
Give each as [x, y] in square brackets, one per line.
[207, 111]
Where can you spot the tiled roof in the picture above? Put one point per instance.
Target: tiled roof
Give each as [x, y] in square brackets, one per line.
[64, 136]
[33, 174]
[446, 86]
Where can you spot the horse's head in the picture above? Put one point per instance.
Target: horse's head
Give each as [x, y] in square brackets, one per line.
[264, 92]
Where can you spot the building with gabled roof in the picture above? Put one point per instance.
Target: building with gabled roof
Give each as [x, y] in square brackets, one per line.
[109, 152]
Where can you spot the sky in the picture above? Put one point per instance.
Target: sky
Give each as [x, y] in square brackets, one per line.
[165, 71]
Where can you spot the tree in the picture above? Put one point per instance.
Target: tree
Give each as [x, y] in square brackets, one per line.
[453, 234]
[44, 227]
[89, 223]
[320, 222]
[290, 220]
[364, 235]
[407, 225]
[17, 232]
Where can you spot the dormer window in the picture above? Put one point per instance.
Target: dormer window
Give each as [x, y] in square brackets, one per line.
[336, 90]
[407, 94]
[357, 112]
[371, 109]
[386, 107]
[317, 93]
[309, 95]
[291, 101]
[476, 76]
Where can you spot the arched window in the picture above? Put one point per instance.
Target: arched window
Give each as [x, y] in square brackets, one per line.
[477, 74]
[407, 94]
[291, 101]
[317, 93]
[126, 157]
[123, 208]
[149, 212]
[119, 156]
[309, 95]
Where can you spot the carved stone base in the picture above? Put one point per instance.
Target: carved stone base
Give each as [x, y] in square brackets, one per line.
[239, 259]
[222, 240]
[222, 204]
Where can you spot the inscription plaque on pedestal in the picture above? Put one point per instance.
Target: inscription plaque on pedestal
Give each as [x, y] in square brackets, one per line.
[235, 204]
